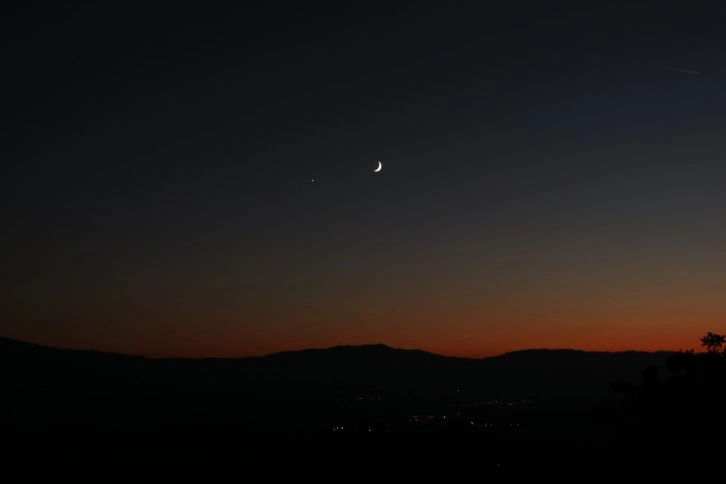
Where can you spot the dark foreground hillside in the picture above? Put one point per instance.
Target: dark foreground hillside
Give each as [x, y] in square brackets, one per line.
[344, 411]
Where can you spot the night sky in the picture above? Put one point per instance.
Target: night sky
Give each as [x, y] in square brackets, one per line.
[554, 176]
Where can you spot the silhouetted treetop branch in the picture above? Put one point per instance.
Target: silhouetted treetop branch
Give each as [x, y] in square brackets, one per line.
[713, 342]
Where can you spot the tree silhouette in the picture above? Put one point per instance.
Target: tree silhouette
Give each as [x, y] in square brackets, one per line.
[713, 342]
[676, 415]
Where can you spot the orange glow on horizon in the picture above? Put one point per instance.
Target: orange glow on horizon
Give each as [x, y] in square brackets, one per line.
[477, 342]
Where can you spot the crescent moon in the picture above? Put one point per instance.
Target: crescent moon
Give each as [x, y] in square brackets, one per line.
[380, 165]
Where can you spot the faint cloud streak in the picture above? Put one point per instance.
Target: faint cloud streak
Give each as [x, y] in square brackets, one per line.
[690, 72]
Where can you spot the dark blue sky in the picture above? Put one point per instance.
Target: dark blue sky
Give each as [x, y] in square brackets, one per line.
[548, 167]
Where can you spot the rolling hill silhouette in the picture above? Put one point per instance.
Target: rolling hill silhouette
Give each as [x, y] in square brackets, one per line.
[35, 367]
[328, 410]
[313, 375]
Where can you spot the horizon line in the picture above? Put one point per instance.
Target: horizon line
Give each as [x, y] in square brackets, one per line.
[324, 348]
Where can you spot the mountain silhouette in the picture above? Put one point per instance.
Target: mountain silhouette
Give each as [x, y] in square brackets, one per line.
[541, 372]
[323, 411]
[340, 372]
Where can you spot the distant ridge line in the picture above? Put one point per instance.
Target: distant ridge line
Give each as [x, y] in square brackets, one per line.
[4, 340]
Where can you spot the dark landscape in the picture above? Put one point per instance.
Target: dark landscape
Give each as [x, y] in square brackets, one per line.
[349, 409]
